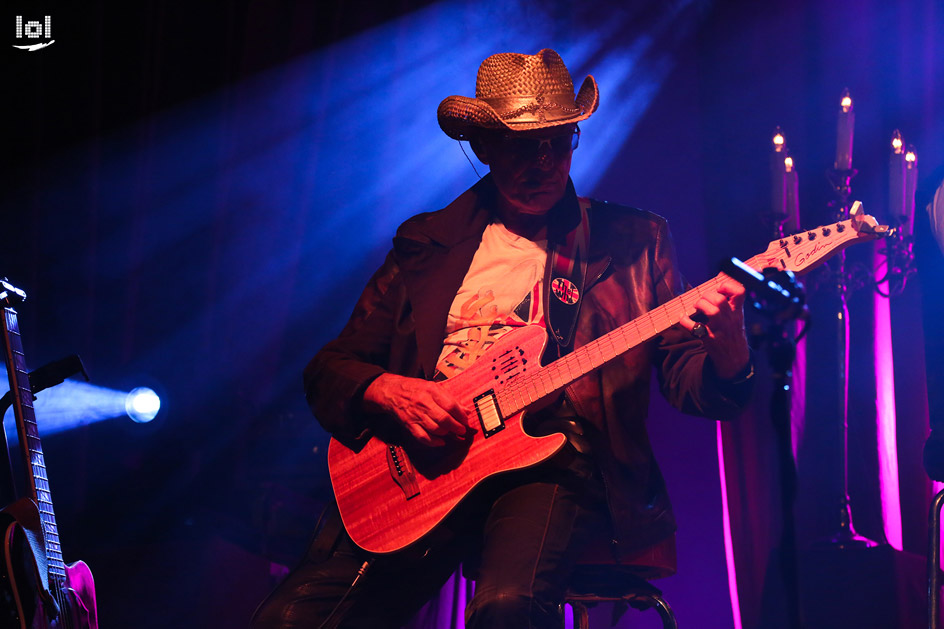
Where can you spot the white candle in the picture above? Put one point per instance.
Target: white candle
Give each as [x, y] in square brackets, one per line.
[911, 186]
[778, 177]
[791, 196]
[896, 180]
[844, 132]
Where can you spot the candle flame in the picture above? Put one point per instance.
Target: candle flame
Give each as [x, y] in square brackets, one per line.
[788, 163]
[846, 102]
[898, 144]
[778, 140]
[911, 157]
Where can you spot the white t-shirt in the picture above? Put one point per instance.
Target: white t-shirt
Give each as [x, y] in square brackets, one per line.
[501, 291]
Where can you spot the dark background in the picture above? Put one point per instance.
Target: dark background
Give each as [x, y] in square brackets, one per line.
[194, 193]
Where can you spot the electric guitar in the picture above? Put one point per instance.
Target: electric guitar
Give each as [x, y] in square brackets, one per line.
[37, 589]
[390, 493]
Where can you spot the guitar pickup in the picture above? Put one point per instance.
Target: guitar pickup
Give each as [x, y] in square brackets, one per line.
[402, 471]
[486, 406]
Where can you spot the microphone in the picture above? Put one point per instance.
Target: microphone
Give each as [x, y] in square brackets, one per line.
[777, 294]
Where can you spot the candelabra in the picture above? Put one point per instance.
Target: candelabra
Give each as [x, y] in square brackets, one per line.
[844, 280]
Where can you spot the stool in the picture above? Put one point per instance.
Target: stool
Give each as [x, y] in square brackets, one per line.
[600, 578]
[934, 561]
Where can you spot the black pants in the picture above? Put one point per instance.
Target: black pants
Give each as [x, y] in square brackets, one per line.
[519, 539]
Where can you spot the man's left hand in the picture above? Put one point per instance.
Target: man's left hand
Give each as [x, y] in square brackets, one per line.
[725, 340]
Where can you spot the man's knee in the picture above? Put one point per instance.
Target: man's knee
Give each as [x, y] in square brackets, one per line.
[509, 608]
[269, 615]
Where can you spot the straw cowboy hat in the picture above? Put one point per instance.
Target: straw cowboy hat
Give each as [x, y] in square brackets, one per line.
[519, 92]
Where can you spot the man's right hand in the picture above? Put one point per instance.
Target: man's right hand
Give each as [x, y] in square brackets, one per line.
[426, 410]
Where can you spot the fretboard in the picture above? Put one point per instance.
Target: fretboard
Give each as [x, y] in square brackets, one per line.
[30, 444]
[525, 390]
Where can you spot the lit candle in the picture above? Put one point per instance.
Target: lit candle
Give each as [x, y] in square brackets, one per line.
[844, 132]
[911, 185]
[896, 180]
[791, 196]
[778, 178]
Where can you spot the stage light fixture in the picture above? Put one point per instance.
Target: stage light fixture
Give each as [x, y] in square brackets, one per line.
[142, 405]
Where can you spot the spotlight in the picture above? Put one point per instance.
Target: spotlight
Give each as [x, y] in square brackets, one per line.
[142, 405]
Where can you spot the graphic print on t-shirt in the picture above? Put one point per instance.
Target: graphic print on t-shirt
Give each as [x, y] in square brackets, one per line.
[501, 291]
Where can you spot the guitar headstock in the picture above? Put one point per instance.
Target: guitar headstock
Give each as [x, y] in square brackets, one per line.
[805, 251]
[10, 295]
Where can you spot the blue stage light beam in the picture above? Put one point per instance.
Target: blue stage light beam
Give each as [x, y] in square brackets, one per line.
[293, 177]
[73, 403]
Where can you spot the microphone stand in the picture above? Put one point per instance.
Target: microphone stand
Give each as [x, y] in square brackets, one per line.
[781, 299]
[846, 536]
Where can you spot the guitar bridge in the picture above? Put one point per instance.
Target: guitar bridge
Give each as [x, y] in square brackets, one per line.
[402, 472]
[486, 406]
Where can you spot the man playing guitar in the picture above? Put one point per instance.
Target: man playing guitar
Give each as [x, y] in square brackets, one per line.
[519, 249]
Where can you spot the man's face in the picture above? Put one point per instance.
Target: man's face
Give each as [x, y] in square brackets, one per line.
[530, 168]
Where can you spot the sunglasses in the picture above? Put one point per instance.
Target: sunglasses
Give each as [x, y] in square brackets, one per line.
[524, 147]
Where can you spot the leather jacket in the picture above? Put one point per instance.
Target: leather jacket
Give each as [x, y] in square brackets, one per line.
[398, 322]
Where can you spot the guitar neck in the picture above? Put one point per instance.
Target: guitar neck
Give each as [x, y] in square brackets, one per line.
[553, 377]
[30, 445]
[524, 391]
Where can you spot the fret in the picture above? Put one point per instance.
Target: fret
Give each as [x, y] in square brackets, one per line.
[583, 359]
[505, 403]
[508, 403]
[533, 391]
[541, 385]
